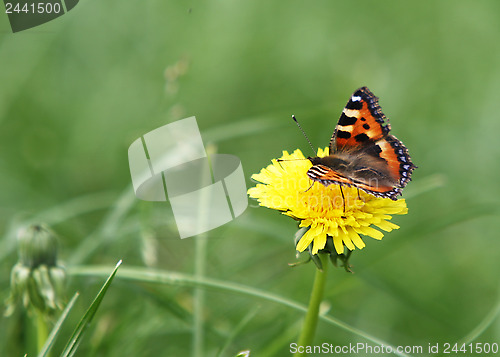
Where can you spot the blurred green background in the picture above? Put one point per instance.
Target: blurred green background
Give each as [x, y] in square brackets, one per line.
[77, 91]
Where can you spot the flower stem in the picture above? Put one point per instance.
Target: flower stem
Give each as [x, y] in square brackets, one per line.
[311, 320]
[41, 330]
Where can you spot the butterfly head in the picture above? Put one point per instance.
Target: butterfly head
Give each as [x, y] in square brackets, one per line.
[314, 160]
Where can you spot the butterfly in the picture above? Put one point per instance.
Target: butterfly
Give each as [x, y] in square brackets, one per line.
[362, 152]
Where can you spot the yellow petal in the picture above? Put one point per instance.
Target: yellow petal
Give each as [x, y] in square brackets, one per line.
[304, 242]
[339, 247]
[347, 241]
[319, 242]
[356, 239]
[333, 228]
[369, 231]
[386, 226]
[307, 238]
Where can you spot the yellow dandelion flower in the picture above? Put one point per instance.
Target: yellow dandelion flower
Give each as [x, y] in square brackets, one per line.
[284, 186]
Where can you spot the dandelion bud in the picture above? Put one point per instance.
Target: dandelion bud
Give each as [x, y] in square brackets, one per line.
[36, 280]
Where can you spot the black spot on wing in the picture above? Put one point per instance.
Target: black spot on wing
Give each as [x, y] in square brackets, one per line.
[374, 108]
[345, 120]
[366, 126]
[373, 150]
[361, 138]
[358, 105]
[343, 134]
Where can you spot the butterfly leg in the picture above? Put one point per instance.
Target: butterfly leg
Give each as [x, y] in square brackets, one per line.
[310, 186]
[359, 197]
[343, 198]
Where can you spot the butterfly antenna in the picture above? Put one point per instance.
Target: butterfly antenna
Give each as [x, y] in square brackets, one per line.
[304, 133]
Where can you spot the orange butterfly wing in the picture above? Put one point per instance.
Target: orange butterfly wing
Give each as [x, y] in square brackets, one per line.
[363, 130]
[361, 121]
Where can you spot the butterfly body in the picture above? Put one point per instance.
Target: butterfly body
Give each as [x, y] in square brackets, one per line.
[359, 169]
[362, 152]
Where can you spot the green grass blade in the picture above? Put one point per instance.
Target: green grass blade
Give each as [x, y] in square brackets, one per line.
[246, 127]
[76, 338]
[174, 278]
[483, 325]
[55, 331]
[237, 329]
[106, 231]
[425, 185]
